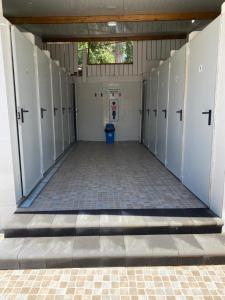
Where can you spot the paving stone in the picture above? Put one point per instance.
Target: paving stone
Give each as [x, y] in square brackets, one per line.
[33, 253]
[189, 249]
[112, 250]
[64, 224]
[86, 251]
[60, 252]
[40, 221]
[87, 224]
[164, 251]
[9, 250]
[213, 247]
[19, 221]
[138, 251]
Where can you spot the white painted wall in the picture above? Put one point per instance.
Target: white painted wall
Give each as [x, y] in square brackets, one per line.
[10, 187]
[93, 108]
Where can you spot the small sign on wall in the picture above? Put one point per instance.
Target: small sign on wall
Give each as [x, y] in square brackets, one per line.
[114, 110]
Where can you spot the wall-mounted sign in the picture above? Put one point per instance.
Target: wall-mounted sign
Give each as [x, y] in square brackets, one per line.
[113, 110]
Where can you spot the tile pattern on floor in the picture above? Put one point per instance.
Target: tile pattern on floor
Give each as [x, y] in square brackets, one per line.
[193, 282]
[120, 176]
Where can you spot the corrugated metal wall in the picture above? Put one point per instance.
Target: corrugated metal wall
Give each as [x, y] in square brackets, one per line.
[144, 52]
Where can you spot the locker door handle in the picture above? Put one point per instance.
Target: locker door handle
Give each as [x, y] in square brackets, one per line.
[148, 110]
[155, 111]
[209, 113]
[63, 110]
[22, 114]
[42, 112]
[55, 110]
[165, 112]
[181, 114]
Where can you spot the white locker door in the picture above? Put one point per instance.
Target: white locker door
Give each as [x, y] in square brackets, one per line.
[71, 111]
[176, 111]
[162, 111]
[64, 107]
[45, 108]
[57, 112]
[153, 110]
[27, 110]
[146, 112]
[202, 73]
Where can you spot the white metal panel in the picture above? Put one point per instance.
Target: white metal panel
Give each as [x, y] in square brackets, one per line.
[217, 195]
[45, 108]
[162, 111]
[153, 110]
[64, 108]
[202, 72]
[146, 95]
[26, 95]
[176, 111]
[71, 110]
[57, 112]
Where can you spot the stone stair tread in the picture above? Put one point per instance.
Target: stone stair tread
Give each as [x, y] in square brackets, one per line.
[33, 221]
[94, 251]
[31, 225]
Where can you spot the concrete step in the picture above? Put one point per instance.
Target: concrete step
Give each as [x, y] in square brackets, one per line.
[42, 225]
[95, 251]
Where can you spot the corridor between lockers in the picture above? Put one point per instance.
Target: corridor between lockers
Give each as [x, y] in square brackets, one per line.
[120, 176]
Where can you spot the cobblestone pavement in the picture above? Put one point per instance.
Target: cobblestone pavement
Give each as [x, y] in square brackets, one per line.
[120, 176]
[192, 282]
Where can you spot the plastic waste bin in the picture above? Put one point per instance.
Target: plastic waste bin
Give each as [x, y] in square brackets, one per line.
[109, 133]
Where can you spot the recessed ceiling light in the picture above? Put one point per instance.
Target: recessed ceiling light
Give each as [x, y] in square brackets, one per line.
[112, 24]
[192, 21]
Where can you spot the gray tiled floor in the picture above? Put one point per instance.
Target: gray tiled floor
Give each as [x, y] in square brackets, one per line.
[120, 176]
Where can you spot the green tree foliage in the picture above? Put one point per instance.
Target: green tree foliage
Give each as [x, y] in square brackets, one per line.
[106, 52]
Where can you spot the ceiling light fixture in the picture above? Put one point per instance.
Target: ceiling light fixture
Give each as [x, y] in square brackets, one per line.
[112, 24]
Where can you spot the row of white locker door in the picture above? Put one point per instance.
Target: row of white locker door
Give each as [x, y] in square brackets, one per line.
[45, 109]
[179, 109]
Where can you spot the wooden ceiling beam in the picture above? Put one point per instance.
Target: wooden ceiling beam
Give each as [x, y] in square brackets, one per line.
[117, 18]
[116, 38]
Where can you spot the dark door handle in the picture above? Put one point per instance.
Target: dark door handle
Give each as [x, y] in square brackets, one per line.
[22, 114]
[181, 114]
[42, 112]
[55, 110]
[148, 110]
[209, 113]
[155, 111]
[165, 112]
[63, 109]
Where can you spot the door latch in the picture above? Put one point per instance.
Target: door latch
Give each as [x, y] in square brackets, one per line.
[55, 110]
[181, 114]
[23, 111]
[148, 110]
[165, 112]
[63, 110]
[155, 112]
[42, 112]
[209, 113]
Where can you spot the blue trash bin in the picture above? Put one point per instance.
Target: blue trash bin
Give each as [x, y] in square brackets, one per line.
[109, 133]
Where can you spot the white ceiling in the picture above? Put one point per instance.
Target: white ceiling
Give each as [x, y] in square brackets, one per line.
[104, 7]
